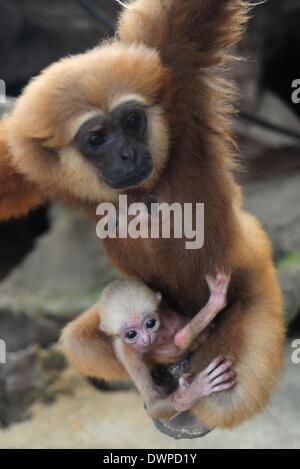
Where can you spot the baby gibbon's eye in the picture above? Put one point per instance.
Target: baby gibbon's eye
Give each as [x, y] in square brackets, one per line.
[96, 138]
[131, 335]
[151, 324]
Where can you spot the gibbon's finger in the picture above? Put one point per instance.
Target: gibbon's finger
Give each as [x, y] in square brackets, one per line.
[224, 377]
[214, 364]
[220, 370]
[224, 387]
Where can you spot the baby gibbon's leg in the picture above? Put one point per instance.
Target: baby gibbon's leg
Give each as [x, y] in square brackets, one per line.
[218, 287]
[252, 338]
[217, 377]
[89, 349]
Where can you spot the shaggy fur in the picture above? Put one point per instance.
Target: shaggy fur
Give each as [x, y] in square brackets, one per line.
[166, 52]
[123, 298]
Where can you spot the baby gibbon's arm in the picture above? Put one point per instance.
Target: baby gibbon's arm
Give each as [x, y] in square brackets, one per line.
[138, 371]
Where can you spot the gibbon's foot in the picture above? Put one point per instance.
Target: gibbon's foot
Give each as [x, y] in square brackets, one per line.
[218, 287]
[198, 327]
[217, 377]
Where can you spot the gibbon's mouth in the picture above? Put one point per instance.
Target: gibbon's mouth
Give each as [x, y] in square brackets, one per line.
[132, 180]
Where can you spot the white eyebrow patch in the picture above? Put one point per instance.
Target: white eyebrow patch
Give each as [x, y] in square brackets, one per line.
[77, 123]
[124, 98]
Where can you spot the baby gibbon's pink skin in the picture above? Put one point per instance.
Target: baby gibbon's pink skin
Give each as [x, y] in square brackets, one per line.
[148, 338]
[164, 334]
[142, 332]
[218, 287]
[217, 377]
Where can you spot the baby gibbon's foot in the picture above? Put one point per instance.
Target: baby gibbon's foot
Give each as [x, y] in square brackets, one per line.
[218, 287]
[217, 377]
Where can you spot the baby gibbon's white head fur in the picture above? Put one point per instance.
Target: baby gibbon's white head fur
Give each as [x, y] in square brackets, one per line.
[92, 87]
[124, 299]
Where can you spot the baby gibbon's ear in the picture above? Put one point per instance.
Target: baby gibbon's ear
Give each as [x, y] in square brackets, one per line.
[17, 195]
[186, 32]
[158, 296]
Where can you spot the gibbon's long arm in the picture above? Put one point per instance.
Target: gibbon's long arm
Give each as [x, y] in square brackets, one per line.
[186, 33]
[17, 195]
[215, 378]
[89, 349]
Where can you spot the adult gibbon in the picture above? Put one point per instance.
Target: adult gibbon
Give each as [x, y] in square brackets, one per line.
[146, 115]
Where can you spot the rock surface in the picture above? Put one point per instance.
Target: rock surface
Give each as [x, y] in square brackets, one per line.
[28, 375]
[274, 199]
[89, 419]
[62, 277]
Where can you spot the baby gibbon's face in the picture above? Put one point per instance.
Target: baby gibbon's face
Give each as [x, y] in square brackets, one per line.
[142, 332]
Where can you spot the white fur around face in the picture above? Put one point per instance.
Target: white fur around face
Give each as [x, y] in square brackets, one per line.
[77, 123]
[123, 300]
[78, 176]
[118, 100]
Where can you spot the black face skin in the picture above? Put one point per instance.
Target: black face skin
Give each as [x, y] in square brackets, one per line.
[117, 146]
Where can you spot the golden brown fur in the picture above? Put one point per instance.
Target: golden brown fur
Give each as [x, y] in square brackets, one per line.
[17, 195]
[166, 53]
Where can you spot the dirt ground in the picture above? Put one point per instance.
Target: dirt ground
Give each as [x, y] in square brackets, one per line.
[91, 419]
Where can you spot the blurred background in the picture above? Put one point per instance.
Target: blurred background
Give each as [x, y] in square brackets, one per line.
[46, 278]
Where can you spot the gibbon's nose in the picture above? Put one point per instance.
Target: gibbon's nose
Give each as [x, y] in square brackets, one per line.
[128, 154]
[146, 341]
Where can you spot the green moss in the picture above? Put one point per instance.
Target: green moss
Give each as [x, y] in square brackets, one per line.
[289, 259]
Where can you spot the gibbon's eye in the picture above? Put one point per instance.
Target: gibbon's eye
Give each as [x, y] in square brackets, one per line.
[131, 335]
[134, 122]
[96, 138]
[151, 323]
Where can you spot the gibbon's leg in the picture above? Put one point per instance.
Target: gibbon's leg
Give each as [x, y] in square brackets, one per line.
[217, 377]
[89, 349]
[218, 287]
[252, 338]
[17, 196]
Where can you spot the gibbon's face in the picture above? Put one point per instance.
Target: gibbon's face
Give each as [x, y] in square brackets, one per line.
[92, 125]
[142, 333]
[116, 145]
